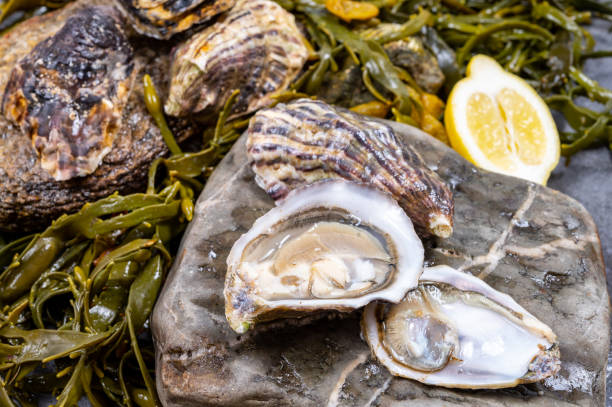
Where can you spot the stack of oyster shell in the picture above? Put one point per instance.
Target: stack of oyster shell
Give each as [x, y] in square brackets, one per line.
[343, 235]
[71, 98]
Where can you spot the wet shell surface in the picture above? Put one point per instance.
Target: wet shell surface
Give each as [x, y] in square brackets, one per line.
[322, 248]
[307, 140]
[68, 93]
[256, 48]
[454, 330]
[410, 54]
[162, 19]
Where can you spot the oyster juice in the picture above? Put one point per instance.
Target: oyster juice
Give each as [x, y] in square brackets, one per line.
[454, 330]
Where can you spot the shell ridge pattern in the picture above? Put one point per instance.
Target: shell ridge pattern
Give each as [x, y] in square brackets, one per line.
[307, 140]
[256, 48]
[163, 18]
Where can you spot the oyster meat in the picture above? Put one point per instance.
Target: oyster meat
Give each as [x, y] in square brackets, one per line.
[454, 330]
[256, 48]
[68, 93]
[307, 140]
[322, 248]
[163, 18]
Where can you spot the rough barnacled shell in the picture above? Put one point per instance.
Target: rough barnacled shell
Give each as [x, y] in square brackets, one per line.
[454, 330]
[163, 18]
[256, 48]
[306, 141]
[322, 248]
[410, 54]
[68, 93]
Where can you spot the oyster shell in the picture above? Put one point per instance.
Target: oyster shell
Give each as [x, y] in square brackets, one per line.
[307, 140]
[256, 48]
[410, 54]
[162, 19]
[68, 93]
[322, 248]
[454, 330]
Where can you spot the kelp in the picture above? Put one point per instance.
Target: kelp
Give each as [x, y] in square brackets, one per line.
[334, 38]
[546, 43]
[76, 298]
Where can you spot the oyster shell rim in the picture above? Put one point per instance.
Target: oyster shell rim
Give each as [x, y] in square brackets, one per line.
[448, 275]
[393, 292]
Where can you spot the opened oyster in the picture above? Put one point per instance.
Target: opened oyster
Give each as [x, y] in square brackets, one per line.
[256, 48]
[307, 140]
[163, 18]
[331, 245]
[456, 331]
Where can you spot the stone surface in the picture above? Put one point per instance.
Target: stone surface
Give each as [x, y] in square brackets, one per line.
[588, 180]
[534, 243]
[588, 177]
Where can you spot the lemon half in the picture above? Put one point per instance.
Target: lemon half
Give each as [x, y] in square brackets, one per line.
[497, 121]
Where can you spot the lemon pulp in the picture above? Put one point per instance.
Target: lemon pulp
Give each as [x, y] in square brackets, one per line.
[498, 122]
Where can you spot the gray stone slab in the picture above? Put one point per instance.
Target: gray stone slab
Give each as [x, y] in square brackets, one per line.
[531, 242]
[588, 177]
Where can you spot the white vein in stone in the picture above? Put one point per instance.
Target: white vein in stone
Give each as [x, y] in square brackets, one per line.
[335, 394]
[497, 250]
[546, 248]
[378, 392]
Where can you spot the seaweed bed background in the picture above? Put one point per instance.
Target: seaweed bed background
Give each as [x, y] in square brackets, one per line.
[75, 298]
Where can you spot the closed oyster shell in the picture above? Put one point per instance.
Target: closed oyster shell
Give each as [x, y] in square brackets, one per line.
[454, 330]
[162, 19]
[307, 140]
[410, 54]
[322, 248]
[68, 93]
[256, 48]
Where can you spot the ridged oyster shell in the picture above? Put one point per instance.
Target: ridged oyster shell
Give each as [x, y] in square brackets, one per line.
[68, 93]
[307, 140]
[410, 54]
[256, 48]
[322, 248]
[162, 19]
[454, 330]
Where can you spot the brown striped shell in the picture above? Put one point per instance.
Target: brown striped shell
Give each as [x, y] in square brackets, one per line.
[307, 140]
[68, 93]
[163, 18]
[256, 48]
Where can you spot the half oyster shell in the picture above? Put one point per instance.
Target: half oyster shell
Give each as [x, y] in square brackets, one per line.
[454, 330]
[334, 245]
[308, 140]
[162, 19]
[256, 48]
